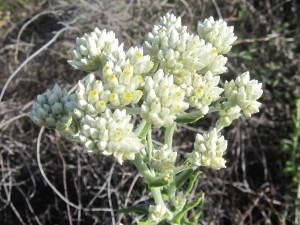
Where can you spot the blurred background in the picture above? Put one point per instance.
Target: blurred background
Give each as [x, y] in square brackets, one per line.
[261, 182]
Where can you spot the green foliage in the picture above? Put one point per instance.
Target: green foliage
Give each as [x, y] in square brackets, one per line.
[292, 166]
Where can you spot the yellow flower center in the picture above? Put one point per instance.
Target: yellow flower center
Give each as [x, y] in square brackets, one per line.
[110, 77]
[138, 54]
[105, 68]
[101, 103]
[126, 72]
[128, 95]
[139, 92]
[93, 92]
[198, 90]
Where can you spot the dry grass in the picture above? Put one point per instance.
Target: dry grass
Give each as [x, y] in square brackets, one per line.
[249, 191]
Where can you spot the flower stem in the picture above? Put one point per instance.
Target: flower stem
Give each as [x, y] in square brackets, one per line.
[169, 135]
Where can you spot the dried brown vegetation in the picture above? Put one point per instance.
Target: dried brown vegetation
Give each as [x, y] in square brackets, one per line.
[251, 190]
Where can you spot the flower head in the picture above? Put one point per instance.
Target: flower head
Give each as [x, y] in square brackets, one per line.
[94, 49]
[208, 150]
[244, 92]
[163, 160]
[91, 97]
[203, 91]
[54, 109]
[180, 53]
[217, 33]
[125, 78]
[111, 134]
[163, 100]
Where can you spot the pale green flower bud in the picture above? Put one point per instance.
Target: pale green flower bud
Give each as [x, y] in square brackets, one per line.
[163, 160]
[244, 93]
[178, 201]
[227, 114]
[54, 110]
[156, 213]
[208, 150]
[217, 33]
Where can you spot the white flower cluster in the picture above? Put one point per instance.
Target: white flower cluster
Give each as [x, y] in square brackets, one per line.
[180, 53]
[227, 114]
[156, 212]
[163, 160]
[124, 77]
[92, 50]
[53, 109]
[91, 97]
[208, 150]
[217, 33]
[244, 92]
[111, 134]
[163, 101]
[203, 91]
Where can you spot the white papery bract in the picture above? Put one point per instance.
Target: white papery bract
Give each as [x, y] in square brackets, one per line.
[111, 134]
[91, 97]
[244, 92]
[163, 100]
[124, 78]
[180, 53]
[54, 109]
[163, 160]
[217, 33]
[156, 212]
[94, 49]
[208, 150]
[203, 91]
[227, 114]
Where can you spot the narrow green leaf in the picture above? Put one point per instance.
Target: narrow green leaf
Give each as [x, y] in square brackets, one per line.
[182, 177]
[189, 117]
[133, 209]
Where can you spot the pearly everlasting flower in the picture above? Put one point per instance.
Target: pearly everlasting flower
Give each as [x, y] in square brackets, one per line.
[163, 160]
[91, 97]
[203, 91]
[216, 65]
[180, 53]
[208, 150]
[124, 78]
[170, 20]
[94, 49]
[54, 109]
[244, 92]
[163, 100]
[178, 201]
[111, 134]
[227, 114]
[156, 213]
[217, 33]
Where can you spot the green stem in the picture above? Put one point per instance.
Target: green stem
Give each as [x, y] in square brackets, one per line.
[150, 179]
[157, 196]
[297, 210]
[149, 145]
[140, 128]
[169, 135]
[143, 168]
